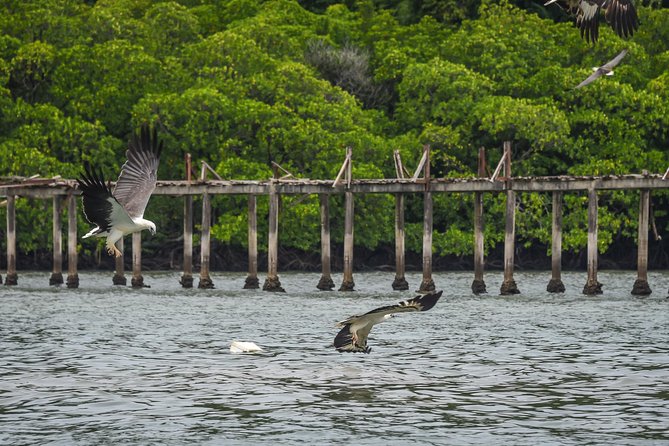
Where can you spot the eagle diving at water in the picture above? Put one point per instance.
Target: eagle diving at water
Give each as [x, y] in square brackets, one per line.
[355, 329]
[620, 14]
[121, 212]
[606, 69]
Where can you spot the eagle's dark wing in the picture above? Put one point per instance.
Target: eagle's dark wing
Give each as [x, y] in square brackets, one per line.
[622, 16]
[355, 330]
[100, 206]
[138, 175]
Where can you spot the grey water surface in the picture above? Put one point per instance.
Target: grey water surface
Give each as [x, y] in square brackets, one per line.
[104, 365]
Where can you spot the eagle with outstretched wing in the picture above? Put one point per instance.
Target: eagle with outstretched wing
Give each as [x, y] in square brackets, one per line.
[120, 212]
[353, 335]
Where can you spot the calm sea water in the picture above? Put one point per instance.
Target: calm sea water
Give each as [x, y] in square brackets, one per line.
[104, 365]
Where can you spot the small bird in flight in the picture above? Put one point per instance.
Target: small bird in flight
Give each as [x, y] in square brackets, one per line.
[606, 69]
[355, 329]
[120, 212]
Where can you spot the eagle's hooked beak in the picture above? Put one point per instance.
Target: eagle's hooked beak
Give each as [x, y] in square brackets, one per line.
[549, 2]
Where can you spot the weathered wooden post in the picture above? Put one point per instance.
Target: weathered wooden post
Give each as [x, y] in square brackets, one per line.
[509, 285]
[555, 285]
[478, 285]
[186, 279]
[252, 282]
[72, 275]
[347, 283]
[325, 283]
[400, 283]
[641, 286]
[12, 277]
[119, 277]
[427, 284]
[137, 280]
[592, 286]
[272, 282]
[205, 244]
[57, 271]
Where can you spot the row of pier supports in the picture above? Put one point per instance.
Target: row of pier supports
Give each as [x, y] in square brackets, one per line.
[272, 282]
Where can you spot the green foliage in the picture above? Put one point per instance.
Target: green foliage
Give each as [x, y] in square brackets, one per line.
[244, 83]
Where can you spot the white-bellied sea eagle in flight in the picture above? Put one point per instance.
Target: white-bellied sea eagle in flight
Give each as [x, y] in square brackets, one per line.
[121, 211]
[355, 329]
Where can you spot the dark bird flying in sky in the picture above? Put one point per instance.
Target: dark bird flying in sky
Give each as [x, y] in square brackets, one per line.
[355, 329]
[120, 212]
[606, 69]
[620, 14]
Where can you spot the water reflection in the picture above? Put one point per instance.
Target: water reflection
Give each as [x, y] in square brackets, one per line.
[103, 365]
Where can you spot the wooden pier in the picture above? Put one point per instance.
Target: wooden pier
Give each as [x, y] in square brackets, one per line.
[61, 191]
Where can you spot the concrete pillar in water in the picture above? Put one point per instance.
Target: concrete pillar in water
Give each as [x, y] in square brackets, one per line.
[137, 280]
[325, 283]
[427, 284]
[555, 285]
[509, 285]
[186, 279]
[12, 277]
[478, 285]
[57, 270]
[205, 244]
[592, 286]
[119, 277]
[641, 286]
[252, 282]
[400, 282]
[272, 282]
[347, 283]
[72, 275]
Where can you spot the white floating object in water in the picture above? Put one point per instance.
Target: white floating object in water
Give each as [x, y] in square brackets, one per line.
[244, 347]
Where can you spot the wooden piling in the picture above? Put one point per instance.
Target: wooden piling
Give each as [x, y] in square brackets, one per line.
[252, 282]
[347, 283]
[400, 283]
[186, 279]
[427, 283]
[119, 274]
[12, 277]
[592, 286]
[325, 283]
[478, 285]
[272, 282]
[205, 244]
[555, 285]
[509, 284]
[641, 286]
[137, 280]
[57, 270]
[72, 275]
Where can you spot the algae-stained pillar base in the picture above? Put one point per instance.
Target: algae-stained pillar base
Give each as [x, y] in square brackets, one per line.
[119, 277]
[272, 282]
[400, 283]
[186, 279]
[137, 280]
[555, 285]
[592, 286]
[347, 283]
[478, 287]
[12, 277]
[252, 282]
[325, 283]
[72, 276]
[57, 271]
[641, 286]
[205, 244]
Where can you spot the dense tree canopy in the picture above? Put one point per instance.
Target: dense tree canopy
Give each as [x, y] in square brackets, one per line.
[244, 83]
